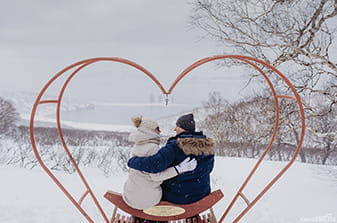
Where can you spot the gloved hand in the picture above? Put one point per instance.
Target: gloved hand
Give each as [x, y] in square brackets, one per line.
[187, 165]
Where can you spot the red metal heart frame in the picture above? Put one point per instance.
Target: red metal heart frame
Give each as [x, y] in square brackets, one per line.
[249, 60]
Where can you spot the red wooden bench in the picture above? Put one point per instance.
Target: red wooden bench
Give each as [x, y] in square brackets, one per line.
[166, 211]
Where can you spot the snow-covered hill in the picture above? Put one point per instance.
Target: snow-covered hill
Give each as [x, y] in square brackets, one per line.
[307, 193]
[24, 101]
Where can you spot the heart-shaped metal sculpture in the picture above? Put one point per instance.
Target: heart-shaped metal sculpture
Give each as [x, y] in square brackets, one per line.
[255, 63]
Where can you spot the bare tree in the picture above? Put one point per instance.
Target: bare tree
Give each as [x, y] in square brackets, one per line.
[254, 123]
[322, 131]
[295, 33]
[288, 135]
[216, 122]
[8, 116]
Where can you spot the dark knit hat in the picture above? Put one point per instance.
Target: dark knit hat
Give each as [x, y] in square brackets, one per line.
[186, 122]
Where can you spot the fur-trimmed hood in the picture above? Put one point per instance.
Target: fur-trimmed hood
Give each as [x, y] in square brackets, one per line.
[197, 146]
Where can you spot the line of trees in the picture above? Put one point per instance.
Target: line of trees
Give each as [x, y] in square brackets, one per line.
[98, 149]
[243, 129]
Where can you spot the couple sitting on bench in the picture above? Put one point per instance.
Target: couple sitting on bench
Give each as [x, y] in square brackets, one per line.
[178, 173]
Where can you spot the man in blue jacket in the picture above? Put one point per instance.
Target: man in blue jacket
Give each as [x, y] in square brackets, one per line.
[190, 186]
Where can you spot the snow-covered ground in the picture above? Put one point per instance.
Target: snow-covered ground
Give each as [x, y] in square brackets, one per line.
[307, 193]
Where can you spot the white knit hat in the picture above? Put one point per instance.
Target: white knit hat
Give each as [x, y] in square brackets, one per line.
[144, 123]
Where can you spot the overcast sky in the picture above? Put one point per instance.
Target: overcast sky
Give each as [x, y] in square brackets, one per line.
[38, 38]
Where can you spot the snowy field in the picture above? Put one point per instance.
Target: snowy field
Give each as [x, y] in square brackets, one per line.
[307, 193]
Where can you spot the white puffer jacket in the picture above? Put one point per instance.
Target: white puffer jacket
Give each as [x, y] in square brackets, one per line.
[142, 190]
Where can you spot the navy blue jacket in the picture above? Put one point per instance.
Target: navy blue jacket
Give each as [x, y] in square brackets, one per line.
[188, 187]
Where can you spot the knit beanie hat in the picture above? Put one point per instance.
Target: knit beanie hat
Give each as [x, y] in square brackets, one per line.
[186, 122]
[145, 123]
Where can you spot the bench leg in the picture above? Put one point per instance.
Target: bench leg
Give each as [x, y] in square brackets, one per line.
[212, 216]
[113, 217]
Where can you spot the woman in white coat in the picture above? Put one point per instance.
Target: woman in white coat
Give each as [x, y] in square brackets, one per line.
[142, 190]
